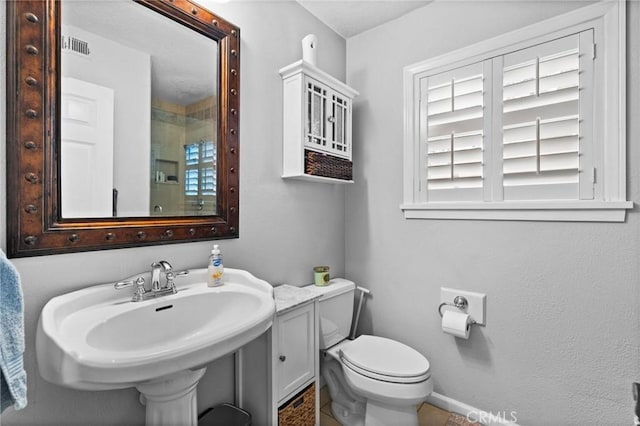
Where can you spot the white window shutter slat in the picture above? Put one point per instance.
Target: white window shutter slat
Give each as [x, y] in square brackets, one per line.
[541, 114]
[454, 127]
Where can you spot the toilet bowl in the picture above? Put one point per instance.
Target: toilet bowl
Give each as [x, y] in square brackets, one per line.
[392, 378]
[373, 381]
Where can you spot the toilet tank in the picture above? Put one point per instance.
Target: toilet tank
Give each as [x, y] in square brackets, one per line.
[336, 310]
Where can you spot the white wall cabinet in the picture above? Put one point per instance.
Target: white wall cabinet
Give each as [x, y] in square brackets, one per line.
[317, 117]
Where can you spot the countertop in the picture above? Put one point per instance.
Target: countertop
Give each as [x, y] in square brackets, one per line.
[288, 297]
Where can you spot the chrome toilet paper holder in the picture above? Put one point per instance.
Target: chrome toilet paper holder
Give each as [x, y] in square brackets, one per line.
[459, 302]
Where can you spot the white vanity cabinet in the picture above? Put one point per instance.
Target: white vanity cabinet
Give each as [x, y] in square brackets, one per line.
[317, 125]
[294, 352]
[278, 368]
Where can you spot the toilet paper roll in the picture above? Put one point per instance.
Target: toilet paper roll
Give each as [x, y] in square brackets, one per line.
[456, 323]
[309, 49]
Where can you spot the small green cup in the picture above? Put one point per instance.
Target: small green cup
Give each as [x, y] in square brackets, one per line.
[321, 275]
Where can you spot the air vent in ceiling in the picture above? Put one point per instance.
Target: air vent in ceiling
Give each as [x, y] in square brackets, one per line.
[73, 44]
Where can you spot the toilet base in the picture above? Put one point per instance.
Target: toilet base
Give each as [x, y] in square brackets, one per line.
[346, 417]
[378, 414]
[347, 407]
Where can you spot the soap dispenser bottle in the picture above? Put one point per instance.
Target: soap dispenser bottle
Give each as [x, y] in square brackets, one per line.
[215, 269]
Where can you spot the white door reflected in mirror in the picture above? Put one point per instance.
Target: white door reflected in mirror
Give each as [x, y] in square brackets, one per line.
[86, 149]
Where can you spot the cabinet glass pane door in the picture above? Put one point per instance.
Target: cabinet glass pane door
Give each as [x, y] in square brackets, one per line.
[316, 115]
[327, 120]
[337, 122]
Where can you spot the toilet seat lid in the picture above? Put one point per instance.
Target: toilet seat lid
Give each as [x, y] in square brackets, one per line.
[385, 359]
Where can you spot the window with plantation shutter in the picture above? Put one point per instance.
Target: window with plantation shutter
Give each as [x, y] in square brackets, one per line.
[527, 126]
[200, 177]
[546, 90]
[453, 124]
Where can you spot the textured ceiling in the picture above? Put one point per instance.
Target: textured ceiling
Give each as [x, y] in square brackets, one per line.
[139, 28]
[351, 17]
[183, 63]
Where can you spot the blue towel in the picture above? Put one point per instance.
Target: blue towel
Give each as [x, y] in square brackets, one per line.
[13, 380]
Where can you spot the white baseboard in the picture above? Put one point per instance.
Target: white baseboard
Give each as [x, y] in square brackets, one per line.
[486, 418]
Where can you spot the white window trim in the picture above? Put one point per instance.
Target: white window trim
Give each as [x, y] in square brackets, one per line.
[610, 17]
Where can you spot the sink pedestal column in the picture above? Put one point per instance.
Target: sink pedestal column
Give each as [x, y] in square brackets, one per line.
[171, 400]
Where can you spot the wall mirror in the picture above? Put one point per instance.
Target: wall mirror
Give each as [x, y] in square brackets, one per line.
[123, 130]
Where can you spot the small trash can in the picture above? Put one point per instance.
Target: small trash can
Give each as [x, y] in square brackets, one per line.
[224, 415]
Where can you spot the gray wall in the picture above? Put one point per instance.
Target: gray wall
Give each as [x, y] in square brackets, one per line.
[286, 227]
[562, 339]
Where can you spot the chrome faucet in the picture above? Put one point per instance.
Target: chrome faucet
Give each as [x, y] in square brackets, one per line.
[156, 268]
[157, 290]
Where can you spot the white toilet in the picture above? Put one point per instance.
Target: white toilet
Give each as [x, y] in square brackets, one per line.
[372, 381]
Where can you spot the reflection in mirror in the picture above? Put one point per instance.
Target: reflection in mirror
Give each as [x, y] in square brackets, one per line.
[180, 186]
[139, 101]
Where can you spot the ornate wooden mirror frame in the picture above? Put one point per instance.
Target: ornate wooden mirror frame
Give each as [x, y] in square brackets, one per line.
[34, 224]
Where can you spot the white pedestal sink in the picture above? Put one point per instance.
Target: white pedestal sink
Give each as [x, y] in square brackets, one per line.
[172, 400]
[98, 339]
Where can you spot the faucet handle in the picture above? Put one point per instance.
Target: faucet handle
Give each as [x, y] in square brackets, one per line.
[173, 275]
[139, 292]
[139, 282]
[138, 295]
[123, 284]
[140, 286]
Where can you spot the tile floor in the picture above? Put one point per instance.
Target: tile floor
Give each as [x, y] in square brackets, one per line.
[428, 415]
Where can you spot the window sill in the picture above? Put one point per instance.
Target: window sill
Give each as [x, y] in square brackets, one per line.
[561, 211]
